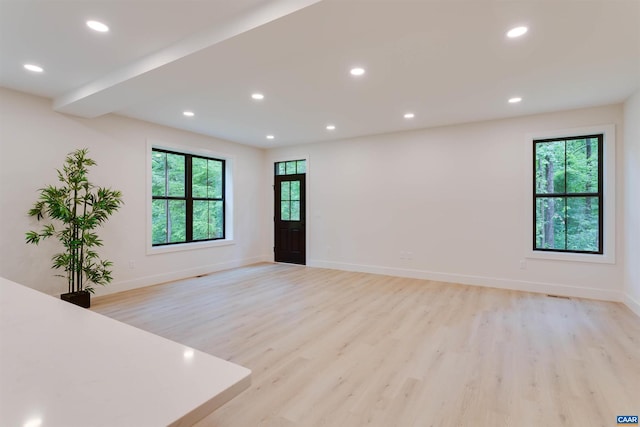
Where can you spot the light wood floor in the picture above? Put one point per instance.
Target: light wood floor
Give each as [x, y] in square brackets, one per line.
[333, 348]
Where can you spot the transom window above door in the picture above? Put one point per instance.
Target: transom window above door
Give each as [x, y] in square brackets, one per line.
[292, 167]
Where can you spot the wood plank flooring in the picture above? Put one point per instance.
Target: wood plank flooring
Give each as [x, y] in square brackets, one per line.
[335, 348]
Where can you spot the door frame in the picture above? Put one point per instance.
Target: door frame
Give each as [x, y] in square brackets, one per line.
[272, 162]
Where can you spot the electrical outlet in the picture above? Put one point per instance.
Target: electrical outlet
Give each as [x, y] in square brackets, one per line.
[523, 264]
[132, 265]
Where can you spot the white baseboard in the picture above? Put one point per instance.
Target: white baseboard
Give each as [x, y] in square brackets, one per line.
[517, 285]
[492, 282]
[125, 285]
[634, 305]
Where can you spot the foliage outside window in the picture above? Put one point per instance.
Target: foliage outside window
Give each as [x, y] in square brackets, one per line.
[187, 198]
[290, 201]
[568, 194]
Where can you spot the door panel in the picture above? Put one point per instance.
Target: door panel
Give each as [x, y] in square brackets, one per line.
[289, 219]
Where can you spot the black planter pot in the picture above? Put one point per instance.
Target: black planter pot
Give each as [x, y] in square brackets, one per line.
[81, 298]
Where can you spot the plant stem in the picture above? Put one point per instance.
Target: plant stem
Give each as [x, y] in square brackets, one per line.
[84, 216]
[74, 258]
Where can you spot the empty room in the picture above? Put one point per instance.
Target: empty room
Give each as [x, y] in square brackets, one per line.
[239, 213]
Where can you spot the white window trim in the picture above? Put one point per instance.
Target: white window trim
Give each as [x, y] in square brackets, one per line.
[229, 204]
[609, 197]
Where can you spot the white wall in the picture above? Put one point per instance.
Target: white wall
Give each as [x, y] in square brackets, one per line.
[33, 143]
[457, 198]
[631, 155]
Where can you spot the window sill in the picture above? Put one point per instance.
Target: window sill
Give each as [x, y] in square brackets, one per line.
[558, 256]
[154, 250]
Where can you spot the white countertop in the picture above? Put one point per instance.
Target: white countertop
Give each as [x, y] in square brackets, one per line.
[65, 366]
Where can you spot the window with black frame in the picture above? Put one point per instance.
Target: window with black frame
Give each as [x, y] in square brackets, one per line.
[187, 198]
[291, 167]
[568, 194]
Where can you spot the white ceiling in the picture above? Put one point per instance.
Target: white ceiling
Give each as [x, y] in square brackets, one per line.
[448, 61]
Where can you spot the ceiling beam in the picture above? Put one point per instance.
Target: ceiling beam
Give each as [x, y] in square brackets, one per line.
[113, 91]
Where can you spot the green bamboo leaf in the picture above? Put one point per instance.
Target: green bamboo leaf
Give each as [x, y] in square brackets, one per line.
[32, 237]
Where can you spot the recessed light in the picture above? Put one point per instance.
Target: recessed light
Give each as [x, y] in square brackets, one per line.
[270, 136]
[515, 100]
[517, 32]
[257, 96]
[188, 113]
[97, 26]
[409, 116]
[357, 71]
[331, 127]
[34, 68]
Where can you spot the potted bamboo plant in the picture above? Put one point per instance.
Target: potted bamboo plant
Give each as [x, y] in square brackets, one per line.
[74, 210]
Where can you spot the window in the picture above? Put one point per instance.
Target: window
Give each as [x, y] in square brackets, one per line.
[188, 198]
[568, 194]
[293, 167]
[290, 201]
